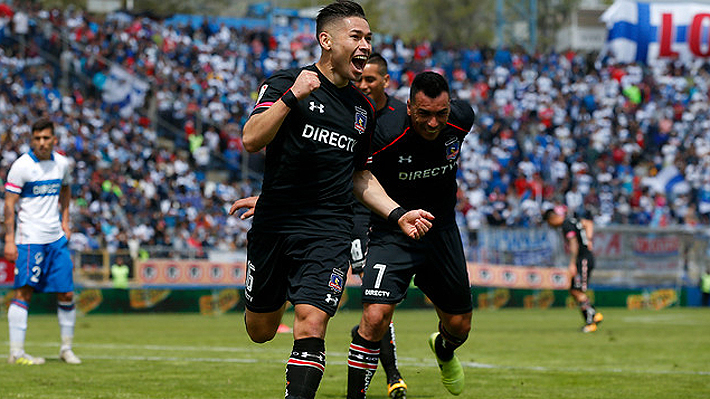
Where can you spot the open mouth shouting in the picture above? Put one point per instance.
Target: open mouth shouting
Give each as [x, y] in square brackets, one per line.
[359, 62]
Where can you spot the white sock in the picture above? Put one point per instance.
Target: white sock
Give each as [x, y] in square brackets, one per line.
[17, 322]
[66, 313]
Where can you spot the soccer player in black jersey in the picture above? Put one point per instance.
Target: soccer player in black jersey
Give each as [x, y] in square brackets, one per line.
[391, 116]
[316, 127]
[417, 166]
[578, 234]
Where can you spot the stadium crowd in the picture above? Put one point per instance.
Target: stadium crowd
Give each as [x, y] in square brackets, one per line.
[625, 144]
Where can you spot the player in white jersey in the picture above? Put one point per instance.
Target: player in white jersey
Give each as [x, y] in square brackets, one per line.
[37, 187]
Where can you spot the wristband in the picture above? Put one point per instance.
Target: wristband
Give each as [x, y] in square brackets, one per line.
[289, 99]
[395, 215]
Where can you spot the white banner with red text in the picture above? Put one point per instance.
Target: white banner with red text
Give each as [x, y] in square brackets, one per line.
[646, 32]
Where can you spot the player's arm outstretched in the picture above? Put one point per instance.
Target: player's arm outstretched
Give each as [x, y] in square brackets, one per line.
[413, 223]
[10, 251]
[367, 189]
[261, 128]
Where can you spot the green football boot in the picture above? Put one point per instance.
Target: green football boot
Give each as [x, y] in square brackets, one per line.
[451, 371]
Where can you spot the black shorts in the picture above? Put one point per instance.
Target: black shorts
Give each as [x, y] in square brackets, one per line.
[585, 264]
[437, 261]
[303, 269]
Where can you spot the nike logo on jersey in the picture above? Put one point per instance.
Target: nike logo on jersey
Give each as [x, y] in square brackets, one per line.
[325, 136]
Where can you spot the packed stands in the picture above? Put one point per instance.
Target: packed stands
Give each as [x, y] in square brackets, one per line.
[151, 112]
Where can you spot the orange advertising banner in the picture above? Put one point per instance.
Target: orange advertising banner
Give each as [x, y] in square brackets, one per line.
[195, 272]
[205, 273]
[524, 277]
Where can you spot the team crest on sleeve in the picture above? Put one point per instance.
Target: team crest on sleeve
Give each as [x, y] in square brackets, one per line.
[453, 146]
[337, 281]
[360, 119]
[262, 90]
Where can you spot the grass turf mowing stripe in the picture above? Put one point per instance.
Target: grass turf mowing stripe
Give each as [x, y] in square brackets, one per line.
[407, 362]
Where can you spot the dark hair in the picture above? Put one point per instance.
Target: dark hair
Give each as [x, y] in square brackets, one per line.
[380, 61]
[42, 124]
[337, 10]
[430, 83]
[548, 214]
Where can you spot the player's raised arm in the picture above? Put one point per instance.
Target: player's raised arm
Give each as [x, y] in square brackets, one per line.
[261, 128]
[414, 223]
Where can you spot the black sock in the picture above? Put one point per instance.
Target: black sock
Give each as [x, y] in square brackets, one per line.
[354, 331]
[305, 368]
[362, 364]
[446, 344]
[388, 355]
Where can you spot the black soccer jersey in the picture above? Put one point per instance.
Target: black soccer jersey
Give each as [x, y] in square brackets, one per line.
[572, 227]
[310, 162]
[421, 174]
[391, 118]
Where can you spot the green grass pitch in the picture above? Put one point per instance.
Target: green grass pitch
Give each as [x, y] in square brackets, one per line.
[511, 353]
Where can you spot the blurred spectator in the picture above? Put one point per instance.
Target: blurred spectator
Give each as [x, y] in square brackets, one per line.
[625, 143]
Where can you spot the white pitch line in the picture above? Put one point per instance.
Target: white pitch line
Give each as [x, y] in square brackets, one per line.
[181, 348]
[178, 359]
[408, 361]
[582, 370]
[663, 319]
